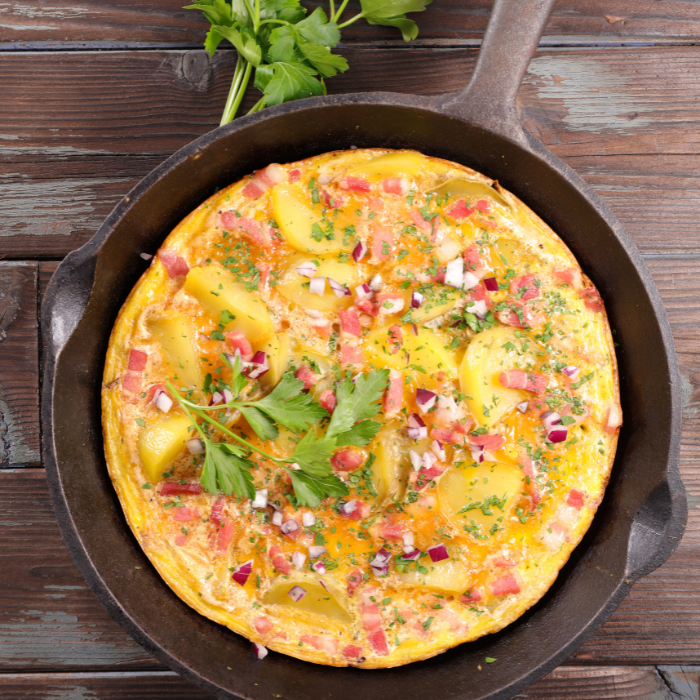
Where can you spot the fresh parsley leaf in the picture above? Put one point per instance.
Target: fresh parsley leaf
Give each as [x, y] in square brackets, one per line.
[226, 471]
[321, 58]
[244, 41]
[318, 30]
[289, 407]
[285, 81]
[311, 490]
[359, 435]
[357, 401]
[313, 454]
[264, 428]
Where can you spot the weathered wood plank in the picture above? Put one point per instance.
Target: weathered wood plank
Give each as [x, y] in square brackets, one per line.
[19, 364]
[63, 166]
[161, 22]
[582, 683]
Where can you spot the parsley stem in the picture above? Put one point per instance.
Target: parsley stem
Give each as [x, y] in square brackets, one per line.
[332, 12]
[235, 93]
[351, 20]
[260, 104]
[336, 17]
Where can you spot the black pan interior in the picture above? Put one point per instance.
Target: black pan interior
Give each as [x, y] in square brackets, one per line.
[596, 577]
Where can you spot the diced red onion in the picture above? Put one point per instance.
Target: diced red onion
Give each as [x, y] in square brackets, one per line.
[478, 308]
[241, 574]
[438, 450]
[359, 252]
[228, 396]
[340, 290]
[162, 401]
[411, 554]
[454, 273]
[478, 453]
[522, 406]
[447, 403]
[146, 256]
[417, 433]
[323, 179]
[316, 551]
[317, 285]
[571, 371]
[320, 568]
[259, 650]
[381, 558]
[215, 399]
[550, 419]
[277, 518]
[416, 300]
[376, 283]
[257, 366]
[289, 526]
[416, 460]
[491, 284]
[296, 593]
[429, 459]
[438, 552]
[380, 571]
[391, 306]
[469, 280]
[425, 399]
[363, 292]
[308, 519]
[307, 269]
[349, 507]
[260, 500]
[409, 539]
[557, 435]
[195, 446]
[294, 466]
[298, 560]
[416, 427]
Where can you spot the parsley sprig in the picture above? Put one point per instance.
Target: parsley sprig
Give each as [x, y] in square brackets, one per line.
[289, 50]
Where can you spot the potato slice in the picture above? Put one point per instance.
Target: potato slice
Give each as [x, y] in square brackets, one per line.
[175, 335]
[291, 284]
[279, 353]
[427, 354]
[410, 163]
[298, 223]
[389, 470]
[436, 303]
[448, 576]
[490, 353]
[317, 599]
[215, 289]
[459, 187]
[161, 443]
[489, 491]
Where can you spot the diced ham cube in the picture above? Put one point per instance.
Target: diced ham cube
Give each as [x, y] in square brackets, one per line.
[570, 276]
[555, 535]
[173, 263]
[355, 184]
[351, 357]
[352, 651]
[347, 460]
[356, 513]
[591, 299]
[237, 341]
[367, 306]
[225, 535]
[395, 339]
[181, 540]
[322, 642]
[505, 585]
[354, 580]
[217, 510]
[488, 442]
[294, 175]
[472, 261]
[272, 175]
[304, 374]
[460, 210]
[473, 595]
[137, 360]
[396, 185]
[456, 625]
[520, 379]
[444, 435]
[382, 240]
[391, 531]
[390, 303]
[614, 418]
[328, 400]
[185, 514]
[393, 397]
[419, 221]
[252, 228]
[350, 322]
[254, 189]
[279, 561]
[575, 499]
[483, 205]
[154, 389]
[174, 488]
[377, 640]
[262, 625]
[524, 288]
[132, 382]
[371, 619]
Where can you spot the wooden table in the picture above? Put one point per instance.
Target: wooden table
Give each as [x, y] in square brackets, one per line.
[94, 94]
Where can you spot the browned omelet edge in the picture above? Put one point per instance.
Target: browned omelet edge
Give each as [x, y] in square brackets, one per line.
[152, 283]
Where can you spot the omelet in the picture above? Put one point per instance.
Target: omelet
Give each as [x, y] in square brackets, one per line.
[361, 408]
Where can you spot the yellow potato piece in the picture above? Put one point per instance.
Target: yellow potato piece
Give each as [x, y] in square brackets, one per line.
[447, 575]
[427, 354]
[215, 289]
[161, 443]
[278, 350]
[485, 359]
[440, 303]
[317, 599]
[296, 222]
[389, 470]
[409, 163]
[488, 490]
[175, 335]
[291, 284]
[459, 187]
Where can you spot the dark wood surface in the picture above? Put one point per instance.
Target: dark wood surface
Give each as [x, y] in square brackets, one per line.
[96, 93]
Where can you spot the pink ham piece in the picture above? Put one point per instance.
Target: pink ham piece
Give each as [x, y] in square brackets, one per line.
[304, 374]
[396, 185]
[459, 210]
[614, 418]
[350, 357]
[224, 535]
[570, 276]
[355, 184]
[352, 651]
[350, 322]
[575, 499]
[456, 625]
[393, 397]
[354, 580]
[520, 379]
[237, 341]
[367, 306]
[322, 642]
[473, 595]
[377, 640]
[137, 360]
[505, 585]
[331, 201]
[262, 625]
[252, 228]
[382, 240]
[272, 175]
[445, 435]
[591, 299]
[483, 205]
[347, 460]
[391, 531]
[488, 442]
[524, 288]
[279, 561]
[185, 514]
[132, 382]
[472, 261]
[419, 221]
[328, 400]
[395, 336]
[181, 540]
[173, 488]
[173, 263]
[294, 175]
[217, 510]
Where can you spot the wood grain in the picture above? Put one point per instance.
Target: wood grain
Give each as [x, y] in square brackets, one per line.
[161, 22]
[19, 383]
[69, 150]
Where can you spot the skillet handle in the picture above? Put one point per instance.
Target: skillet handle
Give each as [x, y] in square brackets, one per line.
[509, 43]
[67, 297]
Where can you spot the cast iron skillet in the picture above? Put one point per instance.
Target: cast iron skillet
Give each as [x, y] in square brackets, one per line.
[642, 517]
